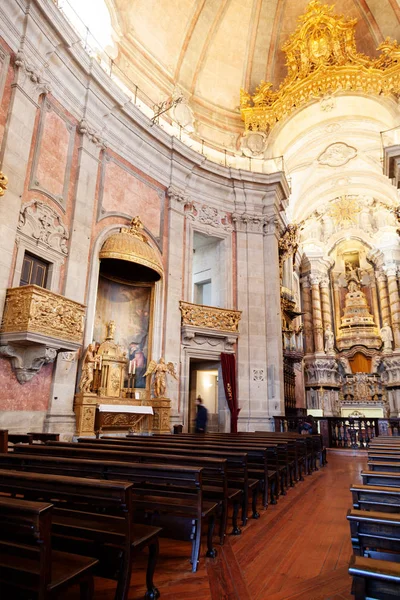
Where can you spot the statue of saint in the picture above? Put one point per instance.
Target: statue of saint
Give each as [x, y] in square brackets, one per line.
[387, 337]
[329, 340]
[160, 371]
[89, 362]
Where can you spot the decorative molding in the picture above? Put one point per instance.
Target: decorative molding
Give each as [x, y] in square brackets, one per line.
[208, 215]
[4, 64]
[258, 374]
[33, 310]
[321, 59]
[209, 317]
[337, 155]
[178, 199]
[208, 340]
[27, 361]
[322, 371]
[39, 221]
[30, 78]
[248, 222]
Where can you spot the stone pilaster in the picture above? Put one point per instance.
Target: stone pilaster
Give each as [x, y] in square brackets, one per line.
[325, 302]
[394, 300]
[276, 400]
[307, 317]
[375, 302]
[317, 314]
[27, 87]
[336, 300]
[252, 353]
[173, 286]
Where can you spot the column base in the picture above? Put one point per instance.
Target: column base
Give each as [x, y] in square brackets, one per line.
[64, 424]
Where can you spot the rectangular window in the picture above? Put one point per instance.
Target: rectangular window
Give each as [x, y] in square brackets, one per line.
[34, 271]
[202, 292]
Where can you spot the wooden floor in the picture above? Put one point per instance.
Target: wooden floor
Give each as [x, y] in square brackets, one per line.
[297, 550]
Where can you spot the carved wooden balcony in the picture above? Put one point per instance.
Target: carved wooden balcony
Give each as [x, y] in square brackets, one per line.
[36, 325]
[209, 325]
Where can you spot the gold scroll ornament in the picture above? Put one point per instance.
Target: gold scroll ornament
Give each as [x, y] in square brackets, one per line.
[209, 317]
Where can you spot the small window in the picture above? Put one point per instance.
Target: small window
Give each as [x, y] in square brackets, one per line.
[202, 292]
[34, 271]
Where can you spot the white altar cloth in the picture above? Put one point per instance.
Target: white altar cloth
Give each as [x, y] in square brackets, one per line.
[125, 408]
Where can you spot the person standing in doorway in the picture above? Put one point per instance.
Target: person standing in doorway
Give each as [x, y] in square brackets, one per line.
[201, 416]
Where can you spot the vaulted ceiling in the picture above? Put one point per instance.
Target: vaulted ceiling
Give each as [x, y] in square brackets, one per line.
[212, 48]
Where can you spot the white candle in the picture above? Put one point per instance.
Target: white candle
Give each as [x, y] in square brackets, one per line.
[130, 368]
[134, 367]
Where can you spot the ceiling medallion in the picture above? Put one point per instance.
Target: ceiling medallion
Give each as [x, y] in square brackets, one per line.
[344, 211]
[322, 58]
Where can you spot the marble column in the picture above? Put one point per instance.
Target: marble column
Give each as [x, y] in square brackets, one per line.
[251, 351]
[60, 416]
[394, 299]
[317, 314]
[28, 85]
[326, 302]
[383, 296]
[276, 399]
[173, 287]
[307, 317]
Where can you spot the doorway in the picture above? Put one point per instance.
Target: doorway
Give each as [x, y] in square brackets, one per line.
[205, 380]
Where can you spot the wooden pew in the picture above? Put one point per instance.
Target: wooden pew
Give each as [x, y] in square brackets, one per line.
[27, 562]
[3, 440]
[237, 461]
[383, 465]
[380, 478]
[375, 533]
[214, 475]
[167, 495]
[257, 458]
[374, 578]
[44, 437]
[376, 498]
[91, 517]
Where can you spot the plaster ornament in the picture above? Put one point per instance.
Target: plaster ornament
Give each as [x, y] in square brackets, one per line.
[337, 155]
[208, 215]
[3, 183]
[254, 143]
[41, 222]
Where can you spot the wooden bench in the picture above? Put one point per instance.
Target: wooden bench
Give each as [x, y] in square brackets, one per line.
[169, 496]
[28, 563]
[91, 517]
[376, 498]
[380, 478]
[375, 534]
[258, 467]
[214, 476]
[384, 465]
[373, 578]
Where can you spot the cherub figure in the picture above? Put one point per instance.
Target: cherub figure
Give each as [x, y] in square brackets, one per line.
[159, 371]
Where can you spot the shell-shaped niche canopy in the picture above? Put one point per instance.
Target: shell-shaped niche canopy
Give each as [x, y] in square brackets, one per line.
[128, 256]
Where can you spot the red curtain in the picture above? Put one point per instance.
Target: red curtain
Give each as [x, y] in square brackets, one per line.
[228, 365]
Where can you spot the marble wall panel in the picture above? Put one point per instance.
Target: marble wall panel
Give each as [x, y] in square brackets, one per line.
[123, 191]
[31, 396]
[53, 153]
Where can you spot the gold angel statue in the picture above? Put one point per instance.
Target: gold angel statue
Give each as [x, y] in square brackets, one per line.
[159, 371]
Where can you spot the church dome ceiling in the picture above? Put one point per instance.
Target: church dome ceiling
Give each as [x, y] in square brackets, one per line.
[211, 49]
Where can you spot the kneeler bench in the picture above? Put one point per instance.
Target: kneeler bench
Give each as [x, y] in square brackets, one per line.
[167, 496]
[388, 479]
[374, 578]
[28, 563]
[377, 498]
[81, 525]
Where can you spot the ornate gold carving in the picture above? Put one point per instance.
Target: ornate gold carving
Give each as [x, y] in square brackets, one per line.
[132, 245]
[3, 183]
[344, 211]
[288, 244]
[210, 317]
[322, 59]
[34, 309]
[161, 417]
[159, 372]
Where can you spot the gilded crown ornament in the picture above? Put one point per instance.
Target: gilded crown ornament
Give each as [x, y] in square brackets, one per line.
[3, 183]
[321, 58]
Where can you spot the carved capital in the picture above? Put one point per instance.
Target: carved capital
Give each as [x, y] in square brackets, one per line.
[391, 270]
[29, 77]
[27, 361]
[92, 135]
[380, 276]
[324, 282]
[177, 196]
[315, 278]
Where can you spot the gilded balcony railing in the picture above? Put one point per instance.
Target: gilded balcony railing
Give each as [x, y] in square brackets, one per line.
[34, 310]
[210, 317]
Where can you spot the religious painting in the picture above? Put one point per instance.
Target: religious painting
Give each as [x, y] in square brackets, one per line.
[129, 306]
